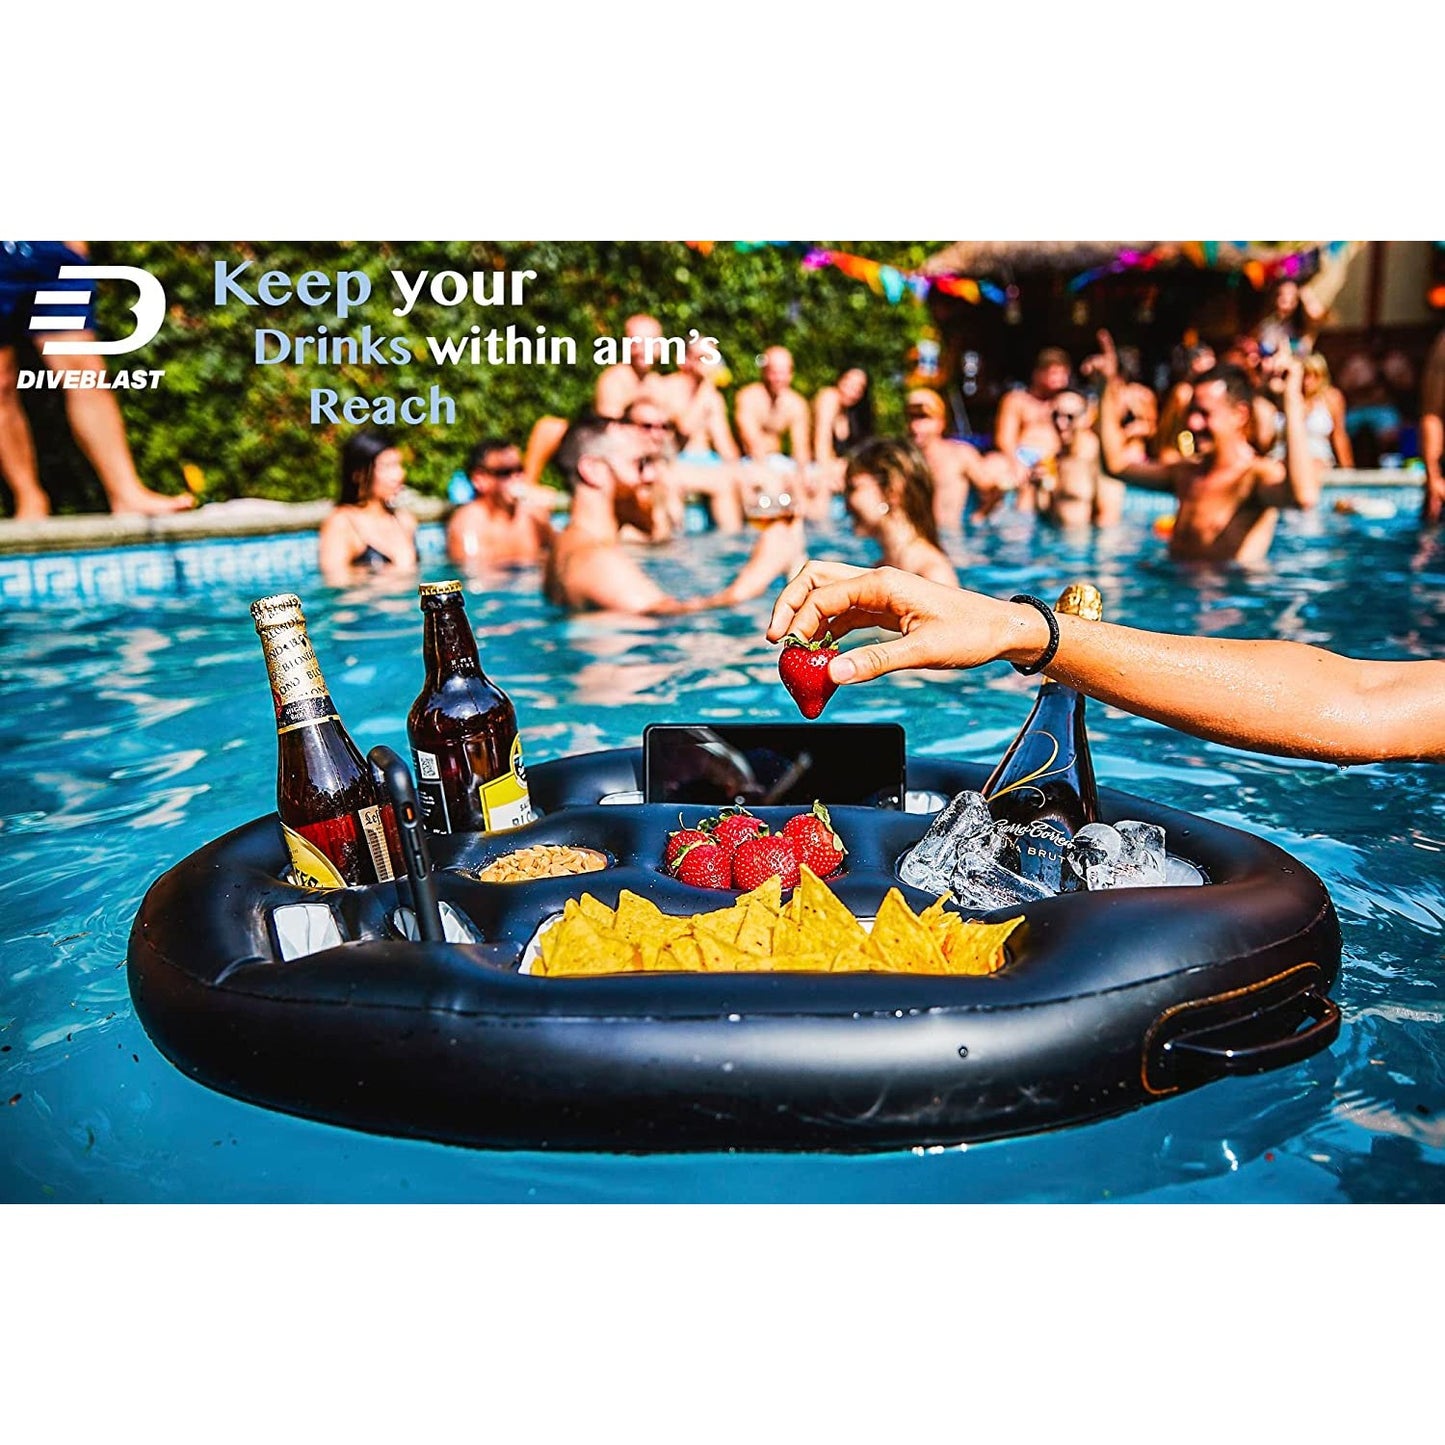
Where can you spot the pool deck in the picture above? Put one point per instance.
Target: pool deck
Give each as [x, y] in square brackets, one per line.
[243, 517]
[253, 516]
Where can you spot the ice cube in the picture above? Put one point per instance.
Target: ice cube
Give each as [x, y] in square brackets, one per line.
[962, 824]
[1141, 861]
[1093, 852]
[981, 883]
[1179, 873]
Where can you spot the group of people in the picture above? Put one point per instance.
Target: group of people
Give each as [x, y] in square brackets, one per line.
[1235, 442]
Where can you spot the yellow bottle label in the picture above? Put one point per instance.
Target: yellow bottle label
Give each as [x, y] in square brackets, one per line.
[313, 869]
[506, 801]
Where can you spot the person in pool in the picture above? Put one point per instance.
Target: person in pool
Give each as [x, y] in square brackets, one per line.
[842, 422]
[1287, 698]
[1072, 491]
[890, 497]
[713, 480]
[770, 412]
[959, 470]
[367, 531]
[507, 524]
[1229, 497]
[610, 467]
[1023, 430]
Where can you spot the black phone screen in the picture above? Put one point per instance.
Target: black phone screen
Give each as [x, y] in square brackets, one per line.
[766, 764]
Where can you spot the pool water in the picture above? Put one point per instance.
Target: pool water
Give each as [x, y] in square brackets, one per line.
[131, 732]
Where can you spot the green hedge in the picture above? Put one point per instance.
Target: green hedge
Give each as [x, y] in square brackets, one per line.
[248, 428]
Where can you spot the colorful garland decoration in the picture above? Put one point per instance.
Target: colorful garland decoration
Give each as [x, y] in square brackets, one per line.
[1205, 255]
[894, 285]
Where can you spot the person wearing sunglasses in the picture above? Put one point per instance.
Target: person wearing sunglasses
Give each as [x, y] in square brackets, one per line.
[589, 569]
[1071, 488]
[508, 523]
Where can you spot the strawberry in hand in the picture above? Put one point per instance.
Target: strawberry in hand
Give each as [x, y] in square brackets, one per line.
[803, 666]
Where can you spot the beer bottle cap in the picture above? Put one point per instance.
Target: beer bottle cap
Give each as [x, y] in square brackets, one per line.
[1079, 599]
[439, 589]
[281, 610]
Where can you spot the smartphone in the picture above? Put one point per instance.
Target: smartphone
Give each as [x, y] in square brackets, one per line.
[766, 764]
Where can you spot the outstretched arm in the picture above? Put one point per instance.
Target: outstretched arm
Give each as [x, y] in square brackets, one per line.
[1157, 475]
[1302, 481]
[1275, 697]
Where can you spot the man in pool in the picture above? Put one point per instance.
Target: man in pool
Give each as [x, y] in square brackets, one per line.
[508, 524]
[1229, 496]
[1072, 491]
[631, 380]
[768, 414]
[1269, 696]
[609, 468]
[1023, 430]
[958, 469]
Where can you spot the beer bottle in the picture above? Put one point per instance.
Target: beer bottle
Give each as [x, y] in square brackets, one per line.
[463, 729]
[1045, 781]
[338, 828]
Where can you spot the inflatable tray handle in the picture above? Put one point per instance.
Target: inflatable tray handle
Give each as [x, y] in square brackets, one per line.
[1195, 1053]
[395, 777]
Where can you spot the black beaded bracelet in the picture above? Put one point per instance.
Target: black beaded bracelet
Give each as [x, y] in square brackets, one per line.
[1052, 648]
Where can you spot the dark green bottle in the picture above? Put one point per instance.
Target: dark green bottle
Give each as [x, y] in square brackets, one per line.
[1044, 783]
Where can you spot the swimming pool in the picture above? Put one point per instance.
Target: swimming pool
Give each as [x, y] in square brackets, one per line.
[135, 730]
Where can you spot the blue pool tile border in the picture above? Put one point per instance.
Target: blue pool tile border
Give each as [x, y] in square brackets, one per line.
[119, 573]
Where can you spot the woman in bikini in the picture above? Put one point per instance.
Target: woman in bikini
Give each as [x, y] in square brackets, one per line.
[890, 495]
[367, 531]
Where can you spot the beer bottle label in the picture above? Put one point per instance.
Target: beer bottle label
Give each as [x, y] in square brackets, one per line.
[430, 793]
[312, 867]
[506, 801]
[375, 835]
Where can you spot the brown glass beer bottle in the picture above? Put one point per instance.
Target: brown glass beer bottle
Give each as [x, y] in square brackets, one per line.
[463, 729]
[338, 828]
[1045, 781]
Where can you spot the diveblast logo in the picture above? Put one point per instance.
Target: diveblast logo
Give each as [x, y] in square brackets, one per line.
[49, 327]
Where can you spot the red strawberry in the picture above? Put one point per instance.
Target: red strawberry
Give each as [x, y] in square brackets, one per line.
[803, 666]
[815, 842]
[705, 865]
[737, 827]
[759, 858]
[678, 843]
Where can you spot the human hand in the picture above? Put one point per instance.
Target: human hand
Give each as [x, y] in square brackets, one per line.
[941, 626]
[1106, 363]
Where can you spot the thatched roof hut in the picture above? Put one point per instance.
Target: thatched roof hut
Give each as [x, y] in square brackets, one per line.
[1149, 294]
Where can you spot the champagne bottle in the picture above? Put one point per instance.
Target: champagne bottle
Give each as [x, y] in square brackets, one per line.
[339, 829]
[463, 729]
[1044, 783]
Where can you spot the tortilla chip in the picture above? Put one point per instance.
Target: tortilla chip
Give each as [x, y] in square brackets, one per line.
[851, 960]
[721, 922]
[720, 956]
[823, 919]
[755, 936]
[593, 908]
[978, 948]
[901, 943]
[769, 893]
